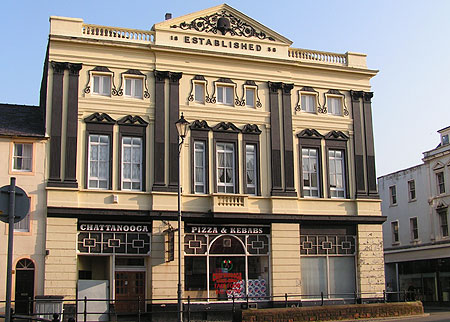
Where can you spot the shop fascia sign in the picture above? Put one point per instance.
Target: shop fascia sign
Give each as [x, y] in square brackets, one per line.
[234, 230]
[114, 227]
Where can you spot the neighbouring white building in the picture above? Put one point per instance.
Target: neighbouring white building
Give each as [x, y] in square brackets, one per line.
[416, 234]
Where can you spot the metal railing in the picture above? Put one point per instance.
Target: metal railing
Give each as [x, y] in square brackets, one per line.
[141, 309]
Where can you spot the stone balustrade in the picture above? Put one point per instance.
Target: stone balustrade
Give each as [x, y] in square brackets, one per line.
[118, 33]
[230, 201]
[74, 27]
[318, 56]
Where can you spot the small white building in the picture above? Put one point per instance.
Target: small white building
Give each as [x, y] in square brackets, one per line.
[416, 234]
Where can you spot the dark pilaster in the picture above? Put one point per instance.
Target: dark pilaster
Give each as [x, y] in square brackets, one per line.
[358, 139]
[288, 141]
[56, 121]
[370, 149]
[160, 79]
[275, 137]
[174, 108]
[72, 127]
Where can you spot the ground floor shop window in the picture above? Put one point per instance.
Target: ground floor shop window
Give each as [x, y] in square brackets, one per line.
[224, 262]
[425, 280]
[328, 262]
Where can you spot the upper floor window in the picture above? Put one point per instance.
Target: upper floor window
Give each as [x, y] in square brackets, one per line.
[22, 157]
[199, 92]
[334, 105]
[99, 147]
[414, 228]
[225, 167]
[310, 175]
[251, 170]
[24, 226]
[336, 173]
[445, 139]
[225, 94]
[250, 97]
[394, 228]
[411, 190]
[440, 182]
[308, 103]
[133, 87]
[393, 195]
[131, 163]
[199, 167]
[102, 85]
[442, 213]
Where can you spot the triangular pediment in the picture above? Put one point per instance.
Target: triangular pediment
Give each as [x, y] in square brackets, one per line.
[439, 165]
[223, 20]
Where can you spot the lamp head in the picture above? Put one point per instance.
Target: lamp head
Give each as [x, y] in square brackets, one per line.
[182, 126]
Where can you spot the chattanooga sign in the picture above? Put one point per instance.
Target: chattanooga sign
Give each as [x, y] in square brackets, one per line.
[114, 227]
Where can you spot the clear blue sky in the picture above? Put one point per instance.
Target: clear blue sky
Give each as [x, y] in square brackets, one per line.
[408, 41]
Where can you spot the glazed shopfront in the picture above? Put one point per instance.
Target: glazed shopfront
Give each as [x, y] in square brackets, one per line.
[226, 261]
[112, 261]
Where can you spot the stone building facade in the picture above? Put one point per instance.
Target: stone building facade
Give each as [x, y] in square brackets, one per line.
[277, 169]
[22, 145]
[416, 238]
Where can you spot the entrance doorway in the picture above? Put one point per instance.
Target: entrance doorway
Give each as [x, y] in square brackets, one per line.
[130, 288]
[24, 286]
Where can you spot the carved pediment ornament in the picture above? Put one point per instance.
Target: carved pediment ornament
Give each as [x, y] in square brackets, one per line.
[100, 118]
[336, 135]
[251, 129]
[200, 125]
[226, 127]
[310, 134]
[223, 22]
[132, 120]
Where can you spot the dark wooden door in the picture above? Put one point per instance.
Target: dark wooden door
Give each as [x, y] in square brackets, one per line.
[24, 290]
[130, 286]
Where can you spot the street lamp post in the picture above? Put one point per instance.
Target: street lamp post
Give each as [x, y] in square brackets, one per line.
[182, 126]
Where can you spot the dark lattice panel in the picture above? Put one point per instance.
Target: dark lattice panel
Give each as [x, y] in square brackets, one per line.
[117, 243]
[195, 244]
[327, 245]
[258, 244]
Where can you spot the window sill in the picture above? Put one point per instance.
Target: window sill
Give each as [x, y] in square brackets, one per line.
[393, 205]
[412, 200]
[396, 244]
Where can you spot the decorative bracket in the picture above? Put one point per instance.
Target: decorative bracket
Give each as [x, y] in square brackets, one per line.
[298, 106]
[334, 92]
[202, 79]
[225, 81]
[257, 101]
[101, 69]
[136, 72]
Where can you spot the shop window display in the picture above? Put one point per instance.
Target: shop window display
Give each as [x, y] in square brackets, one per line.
[229, 265]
